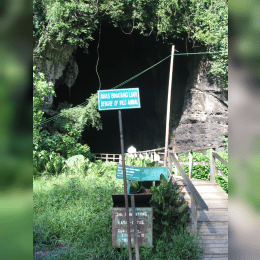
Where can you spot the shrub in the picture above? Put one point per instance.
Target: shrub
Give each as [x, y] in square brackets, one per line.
[203, 172]
[168, 207]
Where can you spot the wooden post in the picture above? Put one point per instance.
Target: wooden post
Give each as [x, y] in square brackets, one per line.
[170, 164]
[176, 170]
[193, 215]
[190, 164]
[168, 108]
[212, 166]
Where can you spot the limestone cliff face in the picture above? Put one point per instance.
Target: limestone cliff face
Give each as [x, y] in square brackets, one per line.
[59, 66]
[204, 118]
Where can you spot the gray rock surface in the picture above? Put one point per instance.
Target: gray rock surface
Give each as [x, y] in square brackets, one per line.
[204, 118]
[59, 66]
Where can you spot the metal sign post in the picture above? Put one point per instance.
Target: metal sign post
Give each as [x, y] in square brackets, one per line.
[125, 185]
[115, 99]
[135, 227]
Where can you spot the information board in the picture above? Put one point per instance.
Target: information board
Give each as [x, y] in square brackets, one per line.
[144, 217]
[115, 99]
[142, 173]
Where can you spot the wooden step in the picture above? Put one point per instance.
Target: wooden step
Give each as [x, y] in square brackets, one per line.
[210, 228]
[205, 189]
[213, 203]
[214, 237]
[215, 241]
[216, 257]
[207, 195]
[180, 181]
[205, 224]
[213, 230]
[216, 251]
[215, 245]
[206, 216]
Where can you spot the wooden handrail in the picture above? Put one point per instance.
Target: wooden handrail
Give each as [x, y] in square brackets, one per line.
[220, 158]
[194, 192]
[222, 174]
[192, 150]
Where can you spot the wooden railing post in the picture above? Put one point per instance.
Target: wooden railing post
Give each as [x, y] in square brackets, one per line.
[169, 163]
[176, 170]
[212, 166]
[190, 164]
[193, 215]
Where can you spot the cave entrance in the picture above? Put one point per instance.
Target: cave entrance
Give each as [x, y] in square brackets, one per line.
[121, 56]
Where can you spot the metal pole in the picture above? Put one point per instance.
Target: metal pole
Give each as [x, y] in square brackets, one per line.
[125, 185]
[135, 228]
[168, 108]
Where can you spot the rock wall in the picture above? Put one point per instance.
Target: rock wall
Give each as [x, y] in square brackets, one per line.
[59, 66]
[204, 118]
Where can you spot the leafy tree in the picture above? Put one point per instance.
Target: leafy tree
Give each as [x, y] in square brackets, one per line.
[41, 89]
[72, 22]
[75, 120]
[51, 149]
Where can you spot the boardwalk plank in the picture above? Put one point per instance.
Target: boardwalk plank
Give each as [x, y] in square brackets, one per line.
[216, 245]
[213, 237]
[213, 203]
[217, 258]
[212, 225]
[215, 241]
[213, 230]
[208, 195]
[216, 251]
[205, 188]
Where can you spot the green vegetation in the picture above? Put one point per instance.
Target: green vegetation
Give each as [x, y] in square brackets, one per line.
[203, 172]
[139, 162]
[52, 148]
[170, 211]
[74, 210]
[59, 23]
[72, 195]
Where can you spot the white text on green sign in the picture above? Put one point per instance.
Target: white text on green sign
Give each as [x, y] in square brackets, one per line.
[134, 173]
[118, 99]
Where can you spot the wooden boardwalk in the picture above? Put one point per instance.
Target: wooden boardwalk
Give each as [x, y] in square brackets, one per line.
[212, 224]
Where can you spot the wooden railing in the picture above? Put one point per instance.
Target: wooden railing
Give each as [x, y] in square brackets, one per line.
[212, 163]
[154, 155]
[158, 155]
[196, 200]
[107, 157]
[213, 168]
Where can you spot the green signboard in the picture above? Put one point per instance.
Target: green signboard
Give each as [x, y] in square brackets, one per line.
[116, 99]
[142, 173]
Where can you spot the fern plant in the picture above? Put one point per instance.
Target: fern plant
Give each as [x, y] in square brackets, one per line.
[168, 207]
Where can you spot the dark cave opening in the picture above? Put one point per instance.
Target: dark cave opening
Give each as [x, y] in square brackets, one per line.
[121, 57]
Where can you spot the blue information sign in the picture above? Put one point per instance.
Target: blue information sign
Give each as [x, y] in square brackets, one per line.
[115, 99]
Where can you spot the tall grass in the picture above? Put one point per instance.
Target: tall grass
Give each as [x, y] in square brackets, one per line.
[73, 213]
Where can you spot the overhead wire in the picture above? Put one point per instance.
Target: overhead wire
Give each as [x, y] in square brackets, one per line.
[137, 75]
